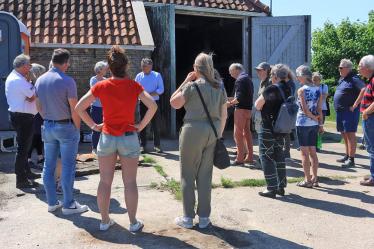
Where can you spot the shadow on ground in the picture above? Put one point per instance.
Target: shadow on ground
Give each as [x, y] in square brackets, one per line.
[332, 207]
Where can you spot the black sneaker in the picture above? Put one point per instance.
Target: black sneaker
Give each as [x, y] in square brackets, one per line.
[342, 160]
[268, 193]
[26, 184]
[349, 164]
[143, 150]
[33, 176]
[32, 165]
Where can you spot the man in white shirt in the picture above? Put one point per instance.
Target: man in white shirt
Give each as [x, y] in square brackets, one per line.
[20, 96]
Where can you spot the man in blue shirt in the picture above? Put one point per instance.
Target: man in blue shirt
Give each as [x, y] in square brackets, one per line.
[154, 85]
[347, 98]
[56, 99]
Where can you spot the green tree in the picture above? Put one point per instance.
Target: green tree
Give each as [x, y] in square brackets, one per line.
[351, 40]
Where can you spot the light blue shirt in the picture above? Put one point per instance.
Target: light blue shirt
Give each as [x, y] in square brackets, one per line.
[93, 81]
[151, 82]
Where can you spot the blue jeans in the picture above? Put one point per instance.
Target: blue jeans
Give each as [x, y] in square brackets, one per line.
[368, 126]
[59, 138]
[97, 116]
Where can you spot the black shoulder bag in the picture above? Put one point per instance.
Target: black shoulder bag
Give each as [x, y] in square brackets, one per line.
[221, 156]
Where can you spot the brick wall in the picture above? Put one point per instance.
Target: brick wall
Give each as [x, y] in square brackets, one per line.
[83, 61]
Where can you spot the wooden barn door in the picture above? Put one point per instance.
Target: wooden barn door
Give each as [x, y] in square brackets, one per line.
[162, 23]
[285, 39]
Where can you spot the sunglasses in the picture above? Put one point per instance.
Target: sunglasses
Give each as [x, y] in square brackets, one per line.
[341, 68]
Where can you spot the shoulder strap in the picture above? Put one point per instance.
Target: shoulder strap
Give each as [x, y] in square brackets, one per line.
[206, 110]
[281, 92]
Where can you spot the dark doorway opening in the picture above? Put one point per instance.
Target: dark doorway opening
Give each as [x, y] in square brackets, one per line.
[195, 34]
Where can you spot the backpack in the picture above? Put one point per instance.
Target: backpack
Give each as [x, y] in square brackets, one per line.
[286, 119]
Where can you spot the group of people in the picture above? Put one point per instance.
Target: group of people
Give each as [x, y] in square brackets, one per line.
[113, 103]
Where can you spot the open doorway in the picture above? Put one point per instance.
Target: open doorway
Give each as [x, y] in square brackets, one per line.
[195, 34]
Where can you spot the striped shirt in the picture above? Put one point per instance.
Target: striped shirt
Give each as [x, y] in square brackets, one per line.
[368, 98]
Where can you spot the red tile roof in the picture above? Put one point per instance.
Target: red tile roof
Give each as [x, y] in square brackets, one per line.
[240, 5]
[103, 22]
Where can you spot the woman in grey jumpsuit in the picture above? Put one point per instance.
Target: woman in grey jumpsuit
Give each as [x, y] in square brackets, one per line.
[197, 139]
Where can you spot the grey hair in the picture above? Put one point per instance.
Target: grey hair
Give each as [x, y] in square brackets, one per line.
[146, 62]
[368, 61]
[346, 63]
[304, 71]
[237, 66]
[317, 75]
[36, 71]
[100, 66]
[21, 60]
[281, 71]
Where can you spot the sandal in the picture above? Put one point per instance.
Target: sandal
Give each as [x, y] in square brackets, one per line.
[315, 182]
[305, 184]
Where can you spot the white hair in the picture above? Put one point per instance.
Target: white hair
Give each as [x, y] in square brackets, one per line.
[237, 66]
[304, 71]
[36, 71]
[21, 60]
[317, 75]
[100, 66]
[368, 62]
[346, 63]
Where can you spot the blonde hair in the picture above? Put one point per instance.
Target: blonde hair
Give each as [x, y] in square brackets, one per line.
[204, 65]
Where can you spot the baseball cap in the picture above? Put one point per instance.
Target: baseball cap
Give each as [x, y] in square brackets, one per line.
[263, 66]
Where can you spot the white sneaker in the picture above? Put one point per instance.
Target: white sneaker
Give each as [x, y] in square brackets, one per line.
[106, 226]
[136, 227]
[185, 222]
[204, 222]
[55, 207]
[75, 208]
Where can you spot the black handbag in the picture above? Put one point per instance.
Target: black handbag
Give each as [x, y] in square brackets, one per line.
[221, 157]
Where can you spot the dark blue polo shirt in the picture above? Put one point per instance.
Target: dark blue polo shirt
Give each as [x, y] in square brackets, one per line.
[347, 92]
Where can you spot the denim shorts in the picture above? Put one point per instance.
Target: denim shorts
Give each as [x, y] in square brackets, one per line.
[126, 145]
[347, 121]
[307, 135]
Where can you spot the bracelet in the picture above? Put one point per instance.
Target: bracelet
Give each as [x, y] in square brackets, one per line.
[93, 127]
[321, 125]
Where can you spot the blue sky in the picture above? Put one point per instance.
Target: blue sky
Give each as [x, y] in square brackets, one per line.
[323, 10]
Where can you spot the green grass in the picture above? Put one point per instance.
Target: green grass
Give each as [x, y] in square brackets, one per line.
[153, 185]
[160, 170]
[227, 183]
[174, 187]
[148, 160]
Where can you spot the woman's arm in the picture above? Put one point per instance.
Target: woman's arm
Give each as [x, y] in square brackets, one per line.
[81, 109]
[304, 106]
[177, 99]
[223, 118]
[148, 101]
[260, 102]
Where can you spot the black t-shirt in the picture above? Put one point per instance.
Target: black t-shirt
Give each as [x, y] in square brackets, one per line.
[273, 101]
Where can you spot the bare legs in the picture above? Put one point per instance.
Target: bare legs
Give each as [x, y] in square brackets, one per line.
[129, 170]
[350, 143]
[309, 159]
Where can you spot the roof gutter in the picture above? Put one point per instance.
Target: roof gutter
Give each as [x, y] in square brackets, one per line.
[91, 46]
[203, 11]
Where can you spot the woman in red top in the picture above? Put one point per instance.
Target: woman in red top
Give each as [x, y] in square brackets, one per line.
[118, 96]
